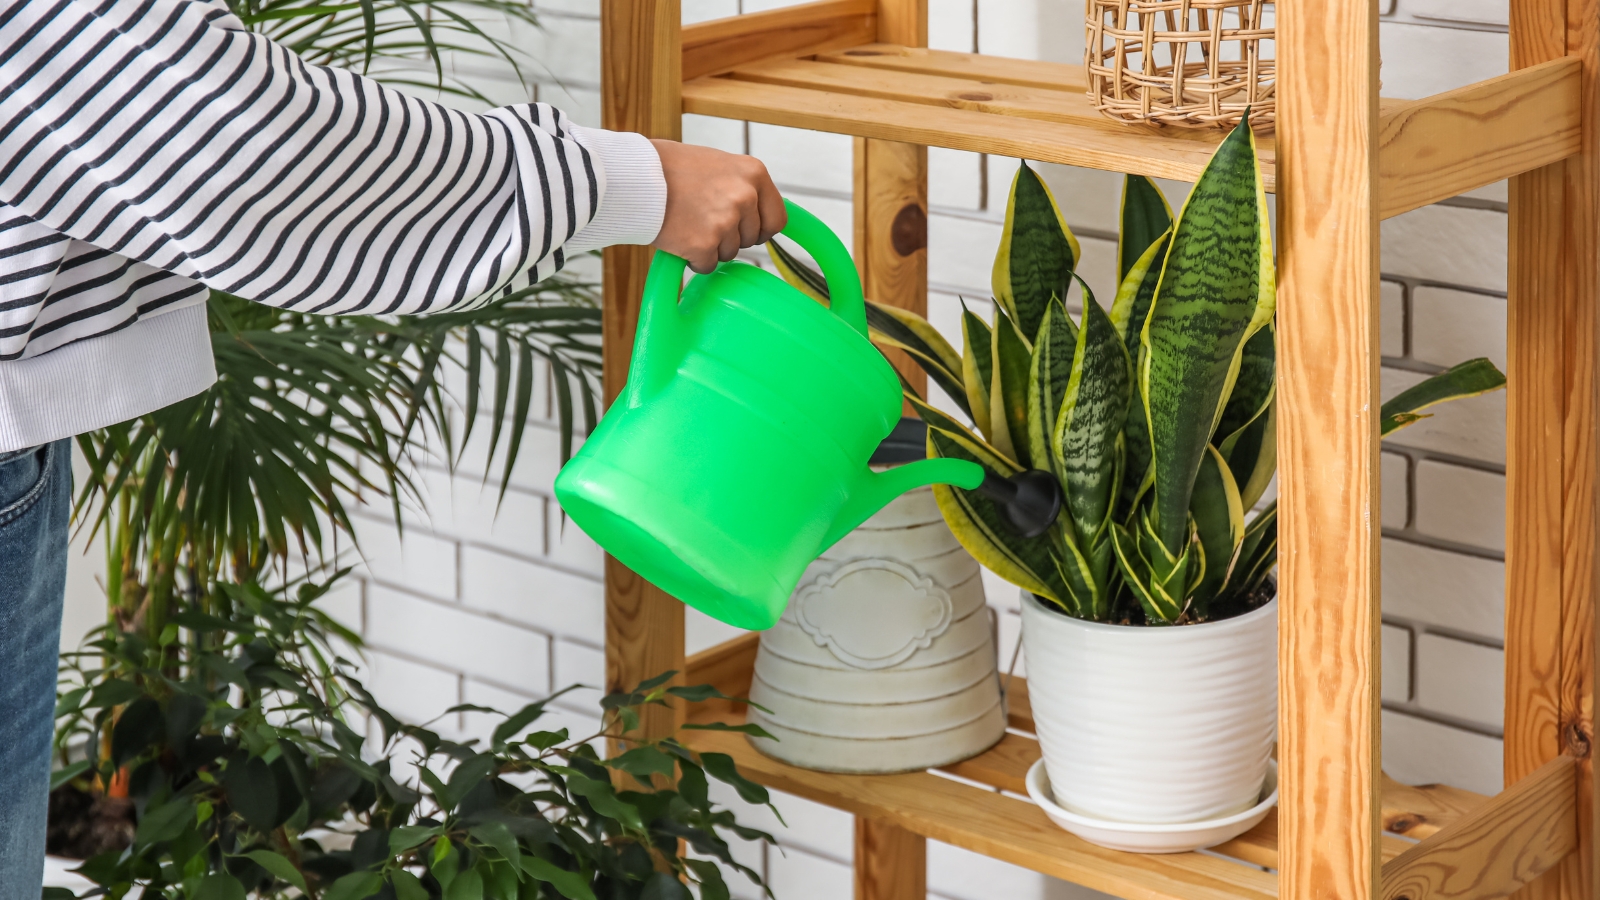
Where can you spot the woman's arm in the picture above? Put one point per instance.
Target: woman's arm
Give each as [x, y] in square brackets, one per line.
[161, 130]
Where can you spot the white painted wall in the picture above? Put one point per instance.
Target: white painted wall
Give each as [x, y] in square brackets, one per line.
[495, 610]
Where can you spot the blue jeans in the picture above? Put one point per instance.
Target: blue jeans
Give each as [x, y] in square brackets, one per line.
[35, 503]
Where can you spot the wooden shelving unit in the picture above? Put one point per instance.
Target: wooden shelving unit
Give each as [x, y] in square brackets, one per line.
[1342, 160]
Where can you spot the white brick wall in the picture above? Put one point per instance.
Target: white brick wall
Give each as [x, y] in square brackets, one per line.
[474, 607]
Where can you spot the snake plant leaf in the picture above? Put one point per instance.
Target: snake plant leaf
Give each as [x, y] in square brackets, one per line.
[1135, 574]
[1053, 349]
[803, 277]
[1008, 391]
[1216, 290]
[889, 326]
[975, 446]
[1218, 519]
[1028, 563]
[1084, 582]
[1091, 420]
[1258, 553]
[1146, 216]
[1037, 254]
[1156, 578]
[1254, 459]
[1128, 313]
[977, 368]
[1469, 379]
[1252, 390]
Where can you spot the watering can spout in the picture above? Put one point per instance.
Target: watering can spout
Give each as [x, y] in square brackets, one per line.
[877, 489]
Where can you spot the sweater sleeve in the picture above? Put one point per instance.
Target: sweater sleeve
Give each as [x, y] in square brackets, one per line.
[165, 132]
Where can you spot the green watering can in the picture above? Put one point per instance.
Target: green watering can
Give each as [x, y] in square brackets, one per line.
[738, 450]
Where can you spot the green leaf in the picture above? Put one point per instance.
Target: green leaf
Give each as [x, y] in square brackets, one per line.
[219, 886]
[1252, 393]
[663, 886]
[804, 278]
[354, 886]
[280, 867]
[515, 723]
[466, 886]
[165, 822]
[720, 766]
[1146, 216]
[407, 886]
[980, 528]
[498, 836]
[1218, 518]
[643, 762]
[749, 728]
[1008, 391]
[467, 776]
[572, 885]
[253, 792]
[408, 836]
[1216, 289]
[1129, 312]
[1469, 379]
[1053, 349]
[1037, 254]
[58, 893]
[977, 369]
[712, 885]
[890, 326]
[605, 801]
[1093, 411]
[64, 775]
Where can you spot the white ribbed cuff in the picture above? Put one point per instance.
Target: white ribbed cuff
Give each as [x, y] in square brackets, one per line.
[634, 199]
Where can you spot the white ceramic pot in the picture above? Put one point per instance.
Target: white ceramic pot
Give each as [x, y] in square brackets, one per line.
[884, 660]
[1153, 726]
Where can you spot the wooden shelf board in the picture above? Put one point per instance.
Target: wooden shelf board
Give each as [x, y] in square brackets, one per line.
[1002, 825]
[1430, 149]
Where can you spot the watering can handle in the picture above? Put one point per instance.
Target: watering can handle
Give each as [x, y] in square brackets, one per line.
[844, 283]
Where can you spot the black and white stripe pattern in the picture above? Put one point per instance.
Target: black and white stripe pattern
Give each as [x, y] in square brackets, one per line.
[151, 148]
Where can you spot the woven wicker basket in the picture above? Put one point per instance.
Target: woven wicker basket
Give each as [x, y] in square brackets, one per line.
[1187, 63]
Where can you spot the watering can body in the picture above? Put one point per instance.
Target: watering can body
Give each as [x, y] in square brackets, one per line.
[738, 450]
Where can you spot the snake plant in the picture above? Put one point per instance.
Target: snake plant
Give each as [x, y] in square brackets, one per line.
[1156, 417]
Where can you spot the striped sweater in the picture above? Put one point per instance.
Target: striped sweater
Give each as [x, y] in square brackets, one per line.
[150, 149]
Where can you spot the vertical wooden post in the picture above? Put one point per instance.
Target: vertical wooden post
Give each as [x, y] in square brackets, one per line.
[891, 862]
[641, 61]
[1328, 450]
[891, 248]
[891, 199]
[1551, 450]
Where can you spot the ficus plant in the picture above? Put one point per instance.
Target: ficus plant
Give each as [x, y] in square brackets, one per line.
[1155, 415]
[240, 740]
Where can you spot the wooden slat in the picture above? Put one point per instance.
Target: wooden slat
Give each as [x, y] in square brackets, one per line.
[891, 863]
[722, 44]
[1123, 150]
[995, 825]
[1501, 846]
[1463, 139]
[728, 667]
[1430, 149]
[639, 59]
[1422, 810]
[1328, 450]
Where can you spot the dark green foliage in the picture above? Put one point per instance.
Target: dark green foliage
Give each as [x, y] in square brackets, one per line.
[240, 783]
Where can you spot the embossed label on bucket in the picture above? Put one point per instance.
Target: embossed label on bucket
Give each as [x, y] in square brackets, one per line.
[873, 613]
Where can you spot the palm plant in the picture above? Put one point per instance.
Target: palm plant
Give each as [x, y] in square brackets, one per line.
[1156, 417]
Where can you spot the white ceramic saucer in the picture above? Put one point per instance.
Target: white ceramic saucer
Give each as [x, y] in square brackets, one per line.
[1133, 838]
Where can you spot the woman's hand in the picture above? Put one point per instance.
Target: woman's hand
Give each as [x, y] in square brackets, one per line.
[717, 203]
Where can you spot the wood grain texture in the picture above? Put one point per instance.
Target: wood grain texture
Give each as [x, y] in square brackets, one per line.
[640, 76]
[722, 44]
[1003, 827]
[1466, 138]
[1429, 149]
[1419, 811]
[1581, 452]
[891, 234]
[891, 863]
[1504, 844]
[1328, 822]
